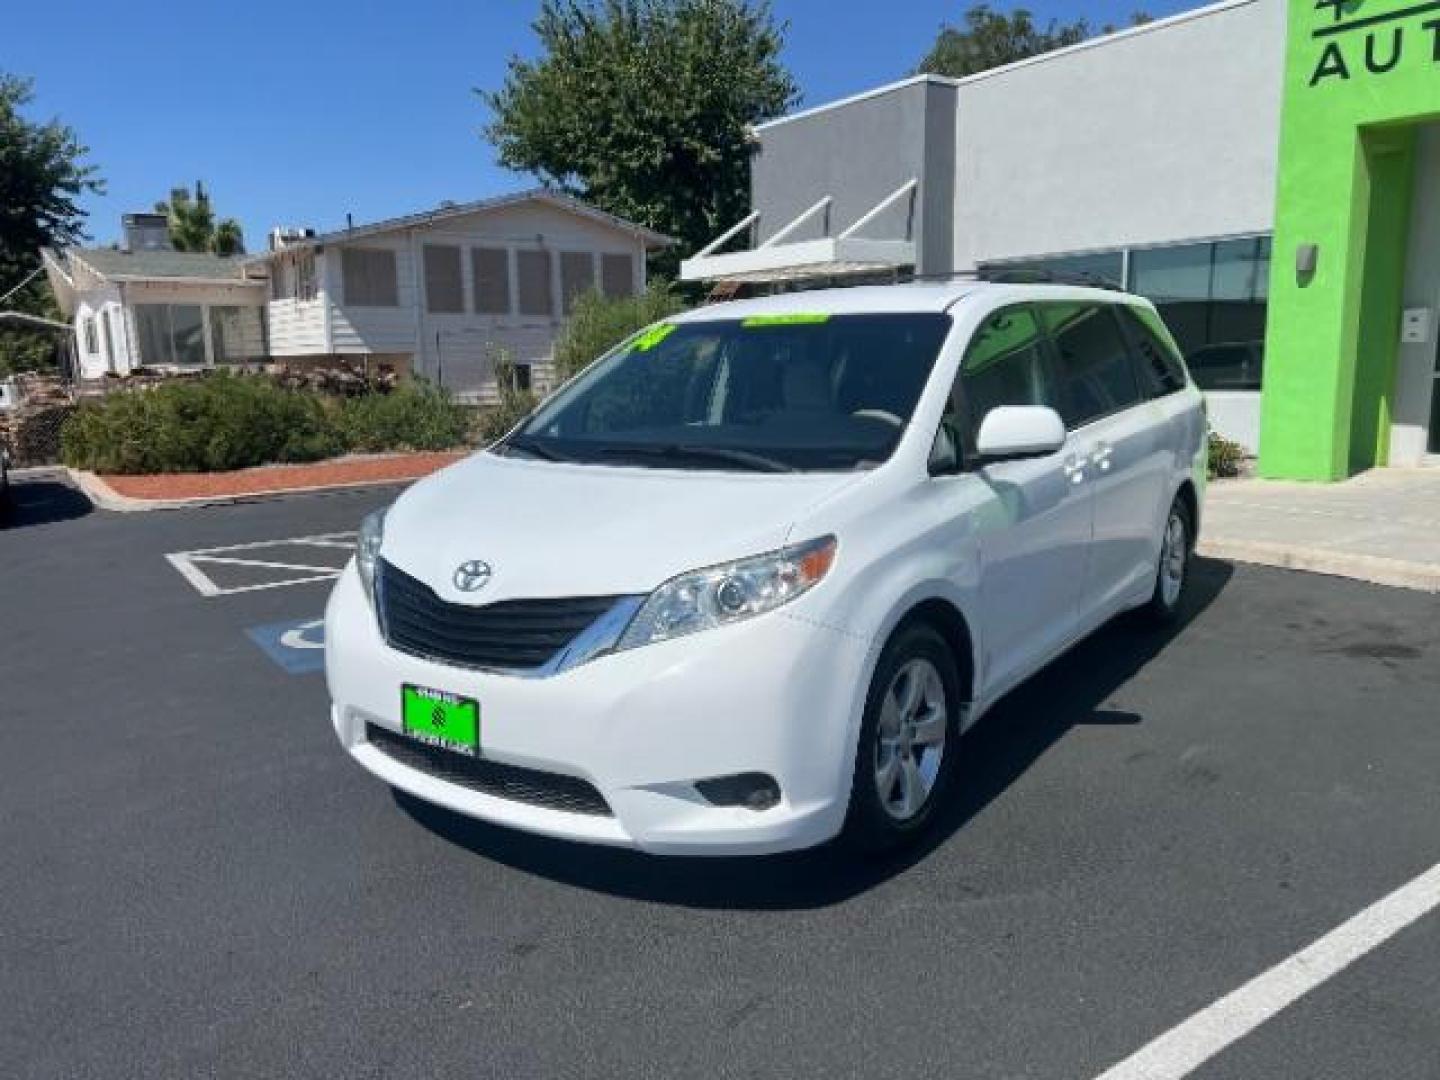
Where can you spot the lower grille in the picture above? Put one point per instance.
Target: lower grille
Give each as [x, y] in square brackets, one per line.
[552, 790]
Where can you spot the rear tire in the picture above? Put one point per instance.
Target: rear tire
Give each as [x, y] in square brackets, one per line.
[909, 739]
[1172, 574]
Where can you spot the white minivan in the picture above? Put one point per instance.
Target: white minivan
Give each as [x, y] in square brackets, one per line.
[742, 584]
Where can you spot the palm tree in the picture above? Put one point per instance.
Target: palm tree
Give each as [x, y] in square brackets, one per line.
[193, 226]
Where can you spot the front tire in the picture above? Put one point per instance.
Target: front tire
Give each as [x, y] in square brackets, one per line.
[1172, 575]
[909, 738]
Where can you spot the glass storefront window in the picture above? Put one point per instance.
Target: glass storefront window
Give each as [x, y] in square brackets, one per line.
[1213, 298]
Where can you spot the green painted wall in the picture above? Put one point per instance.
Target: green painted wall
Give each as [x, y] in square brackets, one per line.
[1359, 75]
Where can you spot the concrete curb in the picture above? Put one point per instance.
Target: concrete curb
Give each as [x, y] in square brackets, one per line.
[1375, 569]
[107, 498]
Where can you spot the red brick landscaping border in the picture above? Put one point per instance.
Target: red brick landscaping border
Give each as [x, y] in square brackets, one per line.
[268, 479]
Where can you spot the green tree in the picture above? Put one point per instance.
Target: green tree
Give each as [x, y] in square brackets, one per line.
[598, 323]
[43, 175]
[989, 39]
[193, 226]
[642, 107]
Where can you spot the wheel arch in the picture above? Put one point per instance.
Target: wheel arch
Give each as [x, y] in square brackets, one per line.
[950, 622]
[1191, 500]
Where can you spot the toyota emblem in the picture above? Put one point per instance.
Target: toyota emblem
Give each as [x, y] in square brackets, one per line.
[472, 576]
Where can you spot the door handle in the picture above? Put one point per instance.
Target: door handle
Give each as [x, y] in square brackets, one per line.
[1074, 468]
[1100, 456]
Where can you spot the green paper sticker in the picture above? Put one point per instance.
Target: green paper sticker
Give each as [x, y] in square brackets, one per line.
[652, 337]
[792, 318]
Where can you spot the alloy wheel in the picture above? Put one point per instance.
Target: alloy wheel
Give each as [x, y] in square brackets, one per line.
[910, 739]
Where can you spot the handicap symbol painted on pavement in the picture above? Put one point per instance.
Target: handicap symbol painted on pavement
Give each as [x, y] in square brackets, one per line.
[297, 645]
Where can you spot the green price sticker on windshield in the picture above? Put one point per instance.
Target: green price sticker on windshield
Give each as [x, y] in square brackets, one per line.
[790, 318]
[652, 337]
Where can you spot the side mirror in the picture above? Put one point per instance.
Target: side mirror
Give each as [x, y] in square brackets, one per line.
[1019, 431]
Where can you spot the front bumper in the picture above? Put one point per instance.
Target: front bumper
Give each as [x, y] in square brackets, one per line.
[775, 694]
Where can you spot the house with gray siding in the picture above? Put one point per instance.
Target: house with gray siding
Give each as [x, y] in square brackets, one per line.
[443, 292]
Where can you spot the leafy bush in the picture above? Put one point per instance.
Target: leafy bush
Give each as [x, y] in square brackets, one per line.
[222, 421]
[1226, 457]
[513, 406]
[414, 416]
[225, 421]
[598, 323]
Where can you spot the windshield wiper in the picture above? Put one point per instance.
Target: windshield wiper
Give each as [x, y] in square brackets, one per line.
[534, 449]
[725, 454]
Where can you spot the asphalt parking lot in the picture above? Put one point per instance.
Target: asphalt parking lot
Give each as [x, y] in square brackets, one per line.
[195, 881]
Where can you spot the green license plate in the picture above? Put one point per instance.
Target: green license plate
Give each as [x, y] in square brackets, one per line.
[440, 718]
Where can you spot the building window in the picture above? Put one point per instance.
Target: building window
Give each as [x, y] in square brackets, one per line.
[444, 291]
[108, 335]
[368, 277]
[92, 346]
[536, 297]
[491, 270]
[617, 275]
[233, 333]
[1213, 297]
[577, 275]
[305, 276]
[520, 379]
[171, 334]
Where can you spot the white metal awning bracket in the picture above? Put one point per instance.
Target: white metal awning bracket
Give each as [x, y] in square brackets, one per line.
[907, 188]
[728, 235]
[796, 222]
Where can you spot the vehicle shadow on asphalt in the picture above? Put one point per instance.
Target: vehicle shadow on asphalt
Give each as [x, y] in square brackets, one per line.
[1069, 693]
[43, 501]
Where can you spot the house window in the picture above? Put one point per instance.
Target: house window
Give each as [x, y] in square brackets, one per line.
[617, 275]
[444, 291]
[368, 277]
[92, 346]
[577, 275]
[171, 333]
[491, 267]
[108, 337]
[305, 276]
[520, 377]
[228, 337]
[533, 269]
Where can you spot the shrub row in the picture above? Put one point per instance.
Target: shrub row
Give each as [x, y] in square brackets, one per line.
[226, 421]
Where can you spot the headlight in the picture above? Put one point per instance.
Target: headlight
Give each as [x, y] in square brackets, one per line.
[719, 595]
[367, 550]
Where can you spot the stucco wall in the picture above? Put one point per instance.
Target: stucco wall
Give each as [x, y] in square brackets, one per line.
[1165, 134]
[859, 152]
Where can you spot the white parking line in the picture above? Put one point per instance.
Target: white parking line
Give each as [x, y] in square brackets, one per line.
[1186, 1047]
[190, 564]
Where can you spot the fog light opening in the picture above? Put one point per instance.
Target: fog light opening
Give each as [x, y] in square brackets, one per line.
[752, 790]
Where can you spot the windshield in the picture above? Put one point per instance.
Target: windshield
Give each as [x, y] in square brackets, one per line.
[769, 393]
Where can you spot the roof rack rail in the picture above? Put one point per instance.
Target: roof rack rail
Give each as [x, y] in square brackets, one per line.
[999, 275]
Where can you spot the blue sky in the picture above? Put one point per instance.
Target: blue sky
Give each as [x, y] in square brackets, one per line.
[295, 113]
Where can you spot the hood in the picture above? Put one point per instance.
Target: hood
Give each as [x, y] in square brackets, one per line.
[548, 529]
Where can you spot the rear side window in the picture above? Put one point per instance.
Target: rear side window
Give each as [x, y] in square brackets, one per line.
[1096, 372]
[1006, 363]
[1160, 370]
